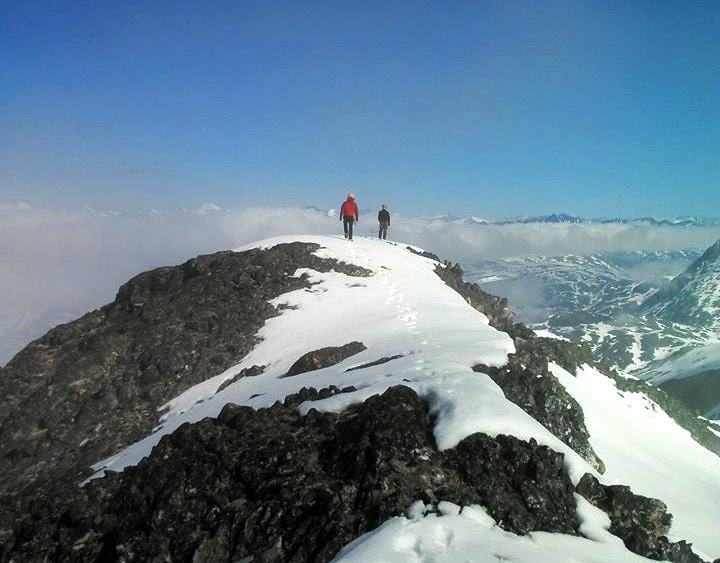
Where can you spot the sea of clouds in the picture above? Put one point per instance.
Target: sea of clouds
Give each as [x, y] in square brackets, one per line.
[59, 263]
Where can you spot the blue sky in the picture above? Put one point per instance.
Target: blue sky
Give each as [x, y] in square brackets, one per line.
[485, 108]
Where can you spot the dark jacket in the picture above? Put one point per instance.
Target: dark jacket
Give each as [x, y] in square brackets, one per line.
[384, 216]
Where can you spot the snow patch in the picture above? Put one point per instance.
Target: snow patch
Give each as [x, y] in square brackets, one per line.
[544, 333]
[647, 450]
[471, 535]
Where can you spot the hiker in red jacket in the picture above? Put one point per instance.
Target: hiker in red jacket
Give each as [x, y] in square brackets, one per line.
[349, 215]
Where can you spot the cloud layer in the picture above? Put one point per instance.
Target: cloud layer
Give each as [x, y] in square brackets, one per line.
[58, 263]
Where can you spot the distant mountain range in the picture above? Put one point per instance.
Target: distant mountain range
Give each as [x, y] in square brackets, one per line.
[684, 221]
[210, 208]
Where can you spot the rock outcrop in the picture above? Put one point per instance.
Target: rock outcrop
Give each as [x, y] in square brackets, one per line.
[526, 379]
[527, 382]
[167, 330]
[641, 522]
[279, 487]
[324, 358]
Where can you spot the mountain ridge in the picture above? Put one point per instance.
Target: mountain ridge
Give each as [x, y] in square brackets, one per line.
[440, 338]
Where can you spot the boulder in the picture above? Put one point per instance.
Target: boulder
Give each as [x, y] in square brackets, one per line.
[641, 522]
[324, 358]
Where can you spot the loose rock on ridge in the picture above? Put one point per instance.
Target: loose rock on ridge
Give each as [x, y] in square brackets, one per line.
[164, 332]
[281, 487]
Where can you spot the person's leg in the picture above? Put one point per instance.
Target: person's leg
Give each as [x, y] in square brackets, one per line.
[385, 231]
[345, 227]
[350, 228]
[380, 231]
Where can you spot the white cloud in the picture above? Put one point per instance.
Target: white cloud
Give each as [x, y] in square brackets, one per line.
[207, 208]
[467, 241]
[56, 263]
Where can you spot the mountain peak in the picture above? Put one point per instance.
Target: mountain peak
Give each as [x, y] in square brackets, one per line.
[692, 296]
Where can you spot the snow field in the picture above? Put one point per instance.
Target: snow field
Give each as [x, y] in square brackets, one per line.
[647, 450]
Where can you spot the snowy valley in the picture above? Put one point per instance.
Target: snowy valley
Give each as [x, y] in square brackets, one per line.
[649, 315]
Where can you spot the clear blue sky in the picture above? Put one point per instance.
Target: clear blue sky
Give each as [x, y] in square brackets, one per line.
[487, 108]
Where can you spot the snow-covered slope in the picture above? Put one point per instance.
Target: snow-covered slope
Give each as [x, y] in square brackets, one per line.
[686, 363]
[642, 446]
[470, 535]
[429, 338]
[691, 299]
[694, 295]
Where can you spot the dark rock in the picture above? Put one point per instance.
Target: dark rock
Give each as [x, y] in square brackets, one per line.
[167, 330]
[526, 379]
[523, 486]
[325, 357]
[527, 382]
[567, 355]
[376, 362]
[276, 486]
[699, 392]
[252, 371]
[424, 254]
[311, 394]
[680, 552]
[641, 522]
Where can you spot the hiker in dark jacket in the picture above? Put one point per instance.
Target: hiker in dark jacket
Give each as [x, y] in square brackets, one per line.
[384, 220]
[349, 215]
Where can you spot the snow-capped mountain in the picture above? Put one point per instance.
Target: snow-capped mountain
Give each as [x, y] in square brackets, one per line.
[311, 399]
[579, 289]
[569, 218]
[624, 307]
[692, 297]
[551, 218]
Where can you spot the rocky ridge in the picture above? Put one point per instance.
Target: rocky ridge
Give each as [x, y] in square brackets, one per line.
[166, 330]
[275, 486]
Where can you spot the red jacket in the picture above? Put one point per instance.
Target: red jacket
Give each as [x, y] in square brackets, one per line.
[349, 209]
